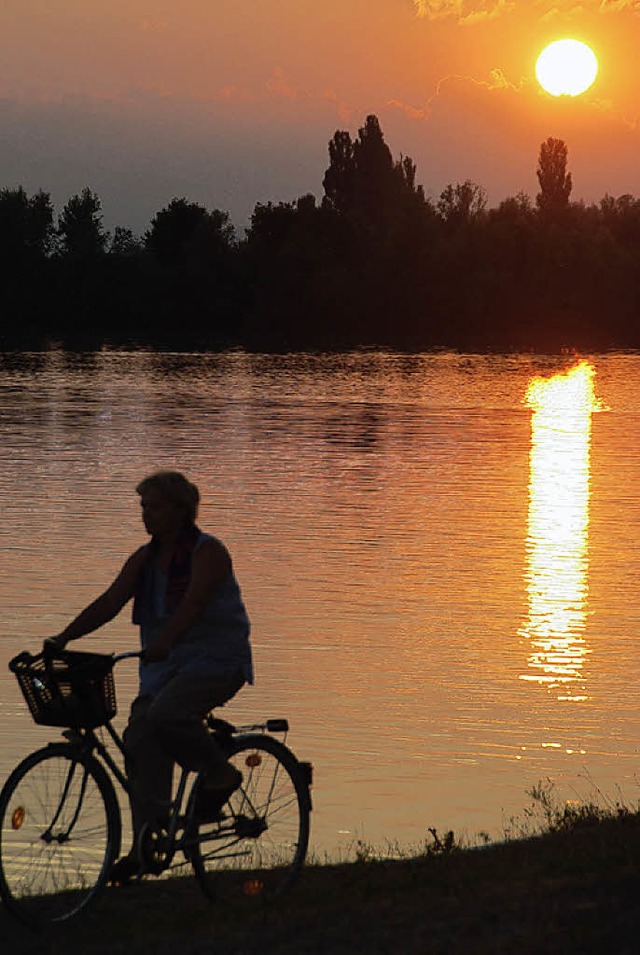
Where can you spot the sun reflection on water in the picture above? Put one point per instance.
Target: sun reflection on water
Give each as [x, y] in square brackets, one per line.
[558, 529]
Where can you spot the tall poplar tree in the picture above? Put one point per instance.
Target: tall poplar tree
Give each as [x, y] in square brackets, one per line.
[555, 182]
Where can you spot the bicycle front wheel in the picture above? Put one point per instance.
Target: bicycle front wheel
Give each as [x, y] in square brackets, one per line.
[260, 844]
[60, 831]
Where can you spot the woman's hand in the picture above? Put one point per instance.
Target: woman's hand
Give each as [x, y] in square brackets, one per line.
[157, 650]
[58, 642]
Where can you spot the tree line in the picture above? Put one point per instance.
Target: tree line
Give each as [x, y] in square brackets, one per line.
[374, 262]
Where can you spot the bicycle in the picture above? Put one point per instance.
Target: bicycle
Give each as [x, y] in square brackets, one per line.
[60, 819]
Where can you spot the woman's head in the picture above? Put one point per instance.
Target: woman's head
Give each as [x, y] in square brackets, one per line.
[169, 502]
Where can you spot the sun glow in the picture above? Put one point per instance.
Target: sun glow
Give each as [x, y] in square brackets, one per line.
[556, 574]
[566, 68]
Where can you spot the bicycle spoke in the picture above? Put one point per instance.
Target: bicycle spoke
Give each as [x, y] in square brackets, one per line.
[261, 847]
[58, 833]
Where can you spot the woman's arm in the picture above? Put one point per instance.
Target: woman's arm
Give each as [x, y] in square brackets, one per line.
[107, 606]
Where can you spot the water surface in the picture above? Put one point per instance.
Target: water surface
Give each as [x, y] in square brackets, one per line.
[443, 605]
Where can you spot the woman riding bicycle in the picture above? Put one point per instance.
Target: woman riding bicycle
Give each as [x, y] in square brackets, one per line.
[194, 631]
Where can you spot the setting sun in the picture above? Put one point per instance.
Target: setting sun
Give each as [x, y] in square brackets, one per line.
[566, 68]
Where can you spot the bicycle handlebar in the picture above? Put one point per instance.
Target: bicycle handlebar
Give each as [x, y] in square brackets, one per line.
[56, 653]
[129, 655]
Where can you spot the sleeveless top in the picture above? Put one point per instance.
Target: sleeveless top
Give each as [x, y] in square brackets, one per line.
[216, 644]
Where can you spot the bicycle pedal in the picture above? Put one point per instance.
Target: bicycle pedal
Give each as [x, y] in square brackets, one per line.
[124, 872]
[209, 806]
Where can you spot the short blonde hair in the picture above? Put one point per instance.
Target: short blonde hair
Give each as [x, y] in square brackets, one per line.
[175, 487]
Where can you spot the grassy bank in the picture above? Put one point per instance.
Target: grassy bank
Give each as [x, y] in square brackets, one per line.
[575, 890]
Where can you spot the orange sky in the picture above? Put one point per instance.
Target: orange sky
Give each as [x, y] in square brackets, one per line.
[232, 103]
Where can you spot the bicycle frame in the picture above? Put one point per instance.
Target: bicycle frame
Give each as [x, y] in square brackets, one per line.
[88, 740]
[255, 842]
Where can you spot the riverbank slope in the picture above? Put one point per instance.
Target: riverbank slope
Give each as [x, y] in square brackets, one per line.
[574, 892]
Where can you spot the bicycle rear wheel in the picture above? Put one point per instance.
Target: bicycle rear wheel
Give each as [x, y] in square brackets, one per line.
[260, 845]
[60, 831]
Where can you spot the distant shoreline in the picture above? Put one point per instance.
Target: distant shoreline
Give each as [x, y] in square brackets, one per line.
[373, 262]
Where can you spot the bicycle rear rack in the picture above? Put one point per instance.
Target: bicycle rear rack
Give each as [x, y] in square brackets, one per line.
[228, 729]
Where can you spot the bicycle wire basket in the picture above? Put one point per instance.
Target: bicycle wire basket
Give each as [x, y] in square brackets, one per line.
[73, 689]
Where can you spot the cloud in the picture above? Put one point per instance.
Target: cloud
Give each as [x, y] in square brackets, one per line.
[279, 86]
[609, 108]
[460, 94]
[414, 112]
[566, 12]
[500, 82]
[153, 26]
[491, 12]
[471, 12]
[345, 112]
[233, 93]
[466, 12]
[497, 81]
[617, 6]
[275, 88]
[140, 153]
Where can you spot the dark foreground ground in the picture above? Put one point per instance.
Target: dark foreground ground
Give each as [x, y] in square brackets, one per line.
[571, 892]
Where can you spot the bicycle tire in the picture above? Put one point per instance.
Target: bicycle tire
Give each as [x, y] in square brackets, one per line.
[60, 831]
[260, 845]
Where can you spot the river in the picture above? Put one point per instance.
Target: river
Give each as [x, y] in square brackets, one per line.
[441, 572]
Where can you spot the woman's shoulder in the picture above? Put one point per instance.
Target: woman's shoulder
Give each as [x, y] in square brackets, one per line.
[209, 541]
[139, 558]
[211, 549]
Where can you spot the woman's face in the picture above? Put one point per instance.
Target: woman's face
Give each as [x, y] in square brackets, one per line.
[161, 518]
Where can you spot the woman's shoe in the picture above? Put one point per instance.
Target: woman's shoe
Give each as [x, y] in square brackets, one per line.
[124, 871]
[211, 798]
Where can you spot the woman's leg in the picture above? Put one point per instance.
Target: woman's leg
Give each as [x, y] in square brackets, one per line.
[177, 715]
[171, 727]
[149, 768]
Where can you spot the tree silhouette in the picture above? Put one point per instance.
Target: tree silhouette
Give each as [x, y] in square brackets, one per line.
[374, 263]
[555, 182]
[339, 178]
[80, 229]
[26, 240]
[186, 233]
[462, 203]
[363, 181]
[376, 182]
[26, 224]
[124, 242]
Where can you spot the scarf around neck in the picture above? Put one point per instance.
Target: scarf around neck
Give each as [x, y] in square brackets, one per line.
[178, 576]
